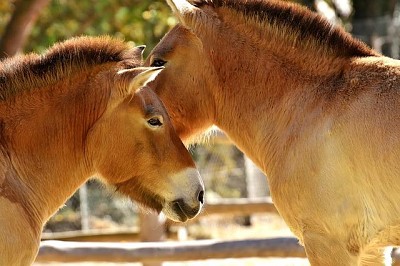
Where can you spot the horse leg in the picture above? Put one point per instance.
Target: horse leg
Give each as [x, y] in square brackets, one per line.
[324, 250]
[375, 256]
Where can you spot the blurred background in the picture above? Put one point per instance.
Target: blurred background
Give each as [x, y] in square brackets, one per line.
[92, 213]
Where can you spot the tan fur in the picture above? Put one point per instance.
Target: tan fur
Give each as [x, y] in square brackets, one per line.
[315, 109]
[74, 112]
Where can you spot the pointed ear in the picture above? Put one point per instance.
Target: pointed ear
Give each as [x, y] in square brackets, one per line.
[186, 12]
[139, 51]
[136, 53]
[133, 79]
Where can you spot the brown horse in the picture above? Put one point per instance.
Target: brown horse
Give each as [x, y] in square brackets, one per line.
[315, 109]
[79, 111]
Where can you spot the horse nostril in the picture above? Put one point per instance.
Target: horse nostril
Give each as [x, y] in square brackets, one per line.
[201, 196]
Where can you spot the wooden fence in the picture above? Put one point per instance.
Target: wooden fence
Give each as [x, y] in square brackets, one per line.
[69, 251]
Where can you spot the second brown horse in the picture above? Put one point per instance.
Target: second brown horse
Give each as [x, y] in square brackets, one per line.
[314, 108]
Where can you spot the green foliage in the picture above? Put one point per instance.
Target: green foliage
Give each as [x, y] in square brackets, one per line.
[138, 21]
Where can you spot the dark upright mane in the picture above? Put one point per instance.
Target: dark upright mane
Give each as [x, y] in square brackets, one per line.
[301, 22]
[29, 71]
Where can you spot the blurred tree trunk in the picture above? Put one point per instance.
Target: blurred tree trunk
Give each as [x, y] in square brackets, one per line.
[20, 25]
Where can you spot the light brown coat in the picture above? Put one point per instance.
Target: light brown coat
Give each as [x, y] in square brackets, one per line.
[315, 109]
[78, 111]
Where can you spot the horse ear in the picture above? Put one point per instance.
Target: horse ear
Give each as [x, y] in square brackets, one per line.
[133, 79]
[187, 13]
[136, 53]
[139, 51]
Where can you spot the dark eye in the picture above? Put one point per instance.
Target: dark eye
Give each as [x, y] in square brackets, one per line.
[155, 122]
[158, 63]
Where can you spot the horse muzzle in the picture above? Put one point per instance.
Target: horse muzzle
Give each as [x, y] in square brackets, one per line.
[188, 191]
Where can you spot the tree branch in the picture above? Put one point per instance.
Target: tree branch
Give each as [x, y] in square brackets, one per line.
[20, 25]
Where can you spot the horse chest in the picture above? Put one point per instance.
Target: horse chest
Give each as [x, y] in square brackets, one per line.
[338, 200]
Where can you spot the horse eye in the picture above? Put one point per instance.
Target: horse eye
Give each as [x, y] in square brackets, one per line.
[158, 63]
[155, 122]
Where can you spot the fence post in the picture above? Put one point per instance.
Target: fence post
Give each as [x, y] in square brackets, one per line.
[257, 186]
[84, 208]
[152, 229]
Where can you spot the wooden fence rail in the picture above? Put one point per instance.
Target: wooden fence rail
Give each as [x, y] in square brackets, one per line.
[93, 235]
[57, 251]
[60, 251]
[244, 206]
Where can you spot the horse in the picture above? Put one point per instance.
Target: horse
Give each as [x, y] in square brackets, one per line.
[82, 109]
[316, 109]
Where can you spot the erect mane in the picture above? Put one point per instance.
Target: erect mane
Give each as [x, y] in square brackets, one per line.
[30, 71]
[297, 21]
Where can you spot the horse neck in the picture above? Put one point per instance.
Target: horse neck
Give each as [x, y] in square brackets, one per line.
[45, 131]
[265, 95]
